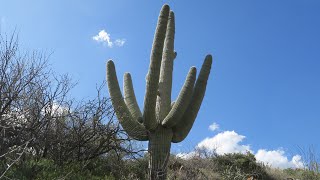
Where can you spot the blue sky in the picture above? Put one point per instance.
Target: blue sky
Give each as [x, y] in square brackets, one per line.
[264, 88]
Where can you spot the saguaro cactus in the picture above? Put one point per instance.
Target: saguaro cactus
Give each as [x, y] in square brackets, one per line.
[162, 121]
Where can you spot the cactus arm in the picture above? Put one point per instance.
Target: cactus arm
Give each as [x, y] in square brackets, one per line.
[172, 104]
[149, 116]
[132, 127]
[165, 83]
[130, 98]
[181, 130]
[183, 100]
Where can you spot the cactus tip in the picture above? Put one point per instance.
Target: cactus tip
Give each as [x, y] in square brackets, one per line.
[209, 57]
[110, 64]
[127, 74]
[165, 6]
[165, 9]
[171, 14]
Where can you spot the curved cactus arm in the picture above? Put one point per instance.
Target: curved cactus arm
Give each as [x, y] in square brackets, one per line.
[183, 100]
[181, 130]
[149, 116]
[165, 82]
[172, 104]
[132, 127]
[130, 98]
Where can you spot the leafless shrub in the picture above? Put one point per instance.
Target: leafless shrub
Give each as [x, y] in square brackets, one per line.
[21, 74]
[38, 119]
[310, 158]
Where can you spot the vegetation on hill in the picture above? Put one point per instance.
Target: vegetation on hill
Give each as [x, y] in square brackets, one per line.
[224, 167]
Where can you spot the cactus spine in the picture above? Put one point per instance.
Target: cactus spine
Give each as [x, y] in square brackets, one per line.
[162, 121]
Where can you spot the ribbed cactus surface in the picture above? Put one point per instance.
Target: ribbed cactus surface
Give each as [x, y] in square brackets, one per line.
[162, 121]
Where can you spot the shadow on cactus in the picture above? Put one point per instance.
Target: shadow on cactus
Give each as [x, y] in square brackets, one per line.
[162, 121]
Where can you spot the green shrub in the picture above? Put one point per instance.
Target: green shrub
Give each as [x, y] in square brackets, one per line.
[240, 166]
[46, 169]
[302, 174]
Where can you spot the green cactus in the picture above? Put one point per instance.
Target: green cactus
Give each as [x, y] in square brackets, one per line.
[162, 121]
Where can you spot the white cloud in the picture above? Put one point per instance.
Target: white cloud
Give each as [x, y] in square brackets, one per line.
[119, 42]
[278, 159]
[54, 109]
[230, 142]
[214, 126]
[225, 142]
[298, 161]
[186, 155]
[104, 37]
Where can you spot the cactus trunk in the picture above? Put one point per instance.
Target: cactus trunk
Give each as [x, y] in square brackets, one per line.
[159, 151]
[162, 121]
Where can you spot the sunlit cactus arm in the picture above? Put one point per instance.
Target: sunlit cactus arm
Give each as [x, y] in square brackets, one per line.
[172, 104]
[181, 130]
[183, 100]
[165, 81]
[131, 126]
[149, 116]
[130, 98]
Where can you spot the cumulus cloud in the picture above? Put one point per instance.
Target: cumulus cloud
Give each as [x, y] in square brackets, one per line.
[278, 159]
[119, 42]
[231, 142]
[214, 126]
[54, 109]
[225, 142]
[105, 38]
[186, 155]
